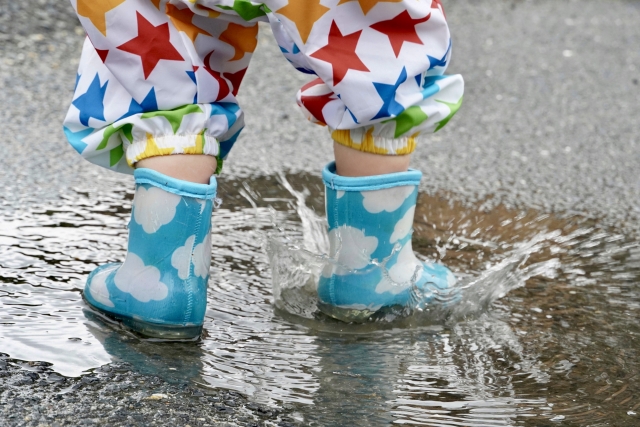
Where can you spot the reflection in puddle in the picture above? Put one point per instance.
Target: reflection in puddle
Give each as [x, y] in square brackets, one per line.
[546, 328]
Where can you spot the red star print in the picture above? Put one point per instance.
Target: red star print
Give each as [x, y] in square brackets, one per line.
[315, 103]
[400, 29]
[435, 4]
[102, 54]
[235, 79]
[151, 44]
[223, 90]
[340, 52]
[311, 84]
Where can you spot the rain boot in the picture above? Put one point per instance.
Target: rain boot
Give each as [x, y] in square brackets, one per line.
[160, 290]
[372, 264]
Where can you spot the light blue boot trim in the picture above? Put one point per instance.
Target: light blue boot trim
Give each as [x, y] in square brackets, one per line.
[368, 183]
[370, 227]
[176, 186]
[160, 290]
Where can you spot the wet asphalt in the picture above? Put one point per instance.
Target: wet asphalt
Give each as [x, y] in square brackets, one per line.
[550, 121]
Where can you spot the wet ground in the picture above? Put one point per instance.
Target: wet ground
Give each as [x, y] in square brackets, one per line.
[531, 195]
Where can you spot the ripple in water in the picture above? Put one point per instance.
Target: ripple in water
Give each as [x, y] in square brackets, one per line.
[297, 262]
[545, 330]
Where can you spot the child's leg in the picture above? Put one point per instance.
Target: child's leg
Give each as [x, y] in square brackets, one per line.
[156, 94]
[350, 162]
[381, 84]
[193, 168]
[380, 68]
[158, 79]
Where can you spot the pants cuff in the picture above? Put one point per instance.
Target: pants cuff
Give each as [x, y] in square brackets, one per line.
[364, 140]
[154, 146]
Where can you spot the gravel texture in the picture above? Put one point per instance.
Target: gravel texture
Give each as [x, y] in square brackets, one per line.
[31, 394]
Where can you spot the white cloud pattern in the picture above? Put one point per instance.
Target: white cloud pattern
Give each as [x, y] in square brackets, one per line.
[388, 199]
[353, 249]
[403, 226]
[98, 288]
[202, 257]
[181, 258]
[405, 266]
[154, 208]
[139, 280]
[401, 272]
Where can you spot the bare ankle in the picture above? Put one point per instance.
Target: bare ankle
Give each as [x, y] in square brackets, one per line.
[351, 162]
[192, 167]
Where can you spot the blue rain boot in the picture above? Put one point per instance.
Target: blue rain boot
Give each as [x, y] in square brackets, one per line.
[160, 290]
[370, 226]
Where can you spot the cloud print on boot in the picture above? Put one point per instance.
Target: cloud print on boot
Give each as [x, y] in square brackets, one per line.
[139, 280]
[403, 226]
[98, 288]
[153, 208]
[406, 265]
[181, 259]
[388, 199]
[355, 249]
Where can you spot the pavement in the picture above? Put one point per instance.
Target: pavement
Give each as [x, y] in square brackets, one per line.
[550, 121]
[32, 394]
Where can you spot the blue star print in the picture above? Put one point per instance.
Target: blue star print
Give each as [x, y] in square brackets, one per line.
[149, 103]
[75, 138]
[390, 108]
[442, 62]
[91, 103]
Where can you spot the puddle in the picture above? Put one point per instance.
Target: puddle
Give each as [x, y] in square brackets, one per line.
[545, 333]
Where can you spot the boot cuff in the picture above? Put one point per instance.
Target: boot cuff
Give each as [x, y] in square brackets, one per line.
[368, 183]
[176, 186]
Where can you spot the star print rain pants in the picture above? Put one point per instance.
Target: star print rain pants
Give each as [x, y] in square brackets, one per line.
[160, 77]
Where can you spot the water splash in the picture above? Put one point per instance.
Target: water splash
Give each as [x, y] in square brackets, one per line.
[481, 290]
[556, 332]
[297, 265]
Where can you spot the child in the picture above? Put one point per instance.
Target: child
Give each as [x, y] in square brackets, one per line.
[155, 96]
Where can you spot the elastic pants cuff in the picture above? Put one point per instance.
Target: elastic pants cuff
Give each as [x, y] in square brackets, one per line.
[166, 145]
[364, 140]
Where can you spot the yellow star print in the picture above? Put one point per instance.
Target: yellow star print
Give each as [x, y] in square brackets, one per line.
[152, 149]
[243, 39]
[367, 5]
[182, 20]
[96, 10]
[367, 144]
[304, 13]
[198, 148]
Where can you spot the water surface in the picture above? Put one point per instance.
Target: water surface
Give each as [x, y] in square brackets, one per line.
[546, 331]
